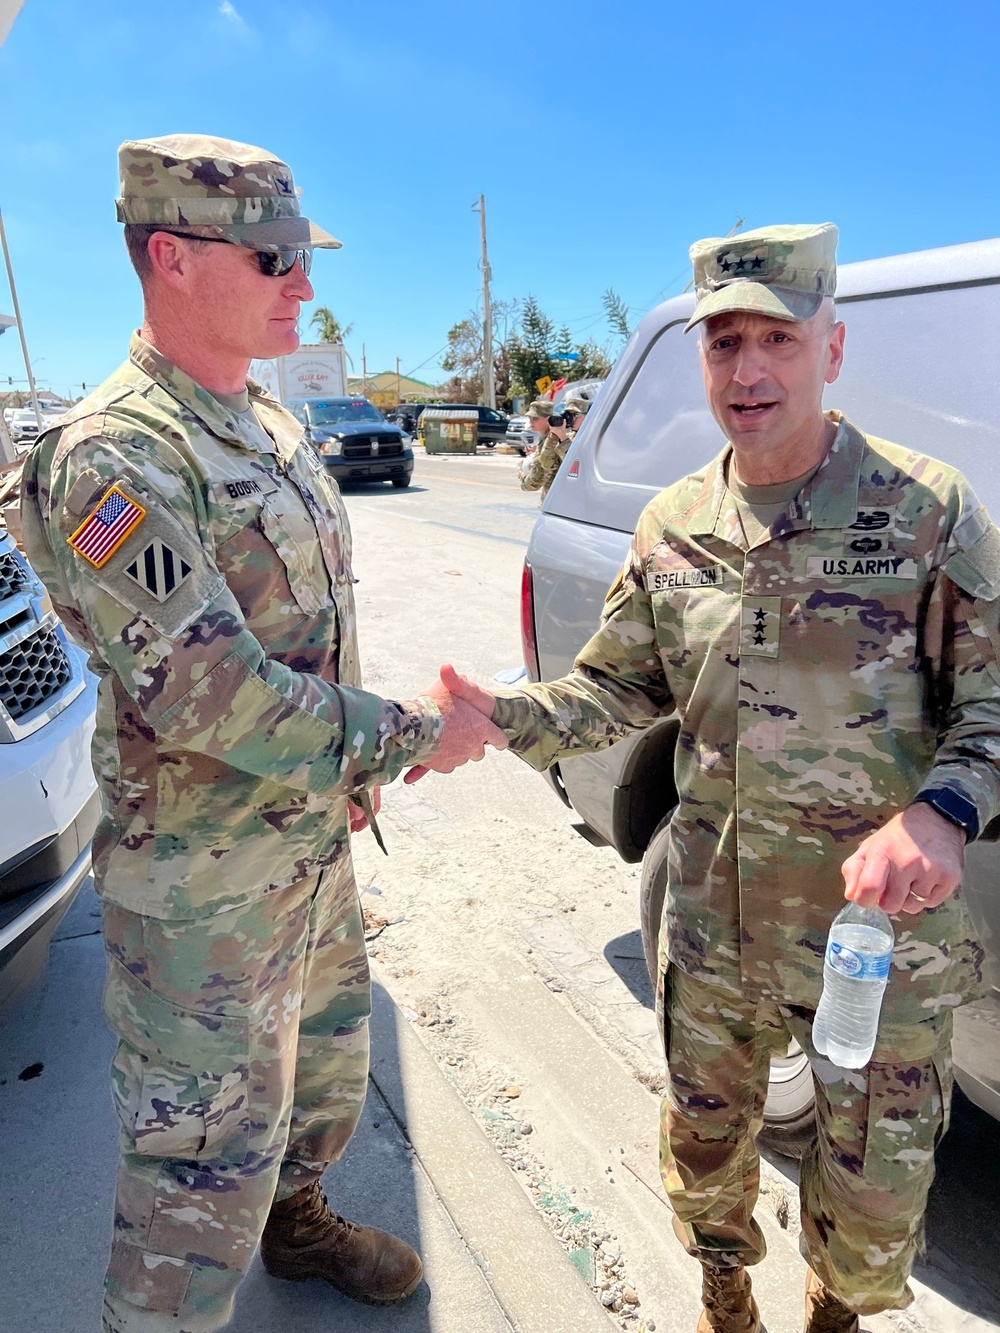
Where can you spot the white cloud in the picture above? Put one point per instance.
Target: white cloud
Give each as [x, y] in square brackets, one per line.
[228, 11]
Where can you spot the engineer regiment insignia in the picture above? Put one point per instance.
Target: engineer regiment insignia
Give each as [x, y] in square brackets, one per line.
[102, 532]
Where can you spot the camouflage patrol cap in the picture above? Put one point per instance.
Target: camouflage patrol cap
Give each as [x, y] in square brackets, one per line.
[541, 407]
[784, 272]
[576, 405]
[244, 194]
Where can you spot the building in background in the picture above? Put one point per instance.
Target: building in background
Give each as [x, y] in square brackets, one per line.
[386, 389]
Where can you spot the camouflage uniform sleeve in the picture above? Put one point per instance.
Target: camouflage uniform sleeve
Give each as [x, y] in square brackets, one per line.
[617, 684]
[962, 642]
[543, 464]
[195, 672]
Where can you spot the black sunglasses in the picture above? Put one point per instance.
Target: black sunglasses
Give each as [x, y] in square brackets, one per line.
[272, 263]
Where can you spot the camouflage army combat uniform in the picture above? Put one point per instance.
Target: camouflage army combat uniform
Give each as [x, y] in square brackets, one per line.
[825, 668]
[540, 470]
[231, 730]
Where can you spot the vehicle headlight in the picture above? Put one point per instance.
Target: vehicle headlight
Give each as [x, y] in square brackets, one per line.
[334, 446]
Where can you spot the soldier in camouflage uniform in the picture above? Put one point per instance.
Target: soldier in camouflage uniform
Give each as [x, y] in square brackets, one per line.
[194, 544]
[538, 470]
[822, 609]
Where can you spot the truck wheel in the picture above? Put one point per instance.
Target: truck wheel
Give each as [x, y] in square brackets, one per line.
[789, 1112]
[400, 482]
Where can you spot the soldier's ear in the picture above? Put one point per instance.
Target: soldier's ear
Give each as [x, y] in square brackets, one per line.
[835, 351]
[169, 260]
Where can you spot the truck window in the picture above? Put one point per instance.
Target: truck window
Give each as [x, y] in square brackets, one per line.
[661, 428]
[921, 370]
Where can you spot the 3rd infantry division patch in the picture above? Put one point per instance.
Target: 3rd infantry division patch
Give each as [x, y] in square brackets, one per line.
[158, 570]
[102, 532]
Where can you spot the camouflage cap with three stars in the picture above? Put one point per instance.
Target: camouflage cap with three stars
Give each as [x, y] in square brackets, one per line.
[244, 194]
[784, 272]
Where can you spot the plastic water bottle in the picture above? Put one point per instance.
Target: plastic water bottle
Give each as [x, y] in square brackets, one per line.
[855, 972]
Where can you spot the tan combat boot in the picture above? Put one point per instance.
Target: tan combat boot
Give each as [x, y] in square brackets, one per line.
[303, 1239]
[729, 1304]
[826, 1313]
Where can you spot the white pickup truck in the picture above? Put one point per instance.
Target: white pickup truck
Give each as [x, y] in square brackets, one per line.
[49, 804]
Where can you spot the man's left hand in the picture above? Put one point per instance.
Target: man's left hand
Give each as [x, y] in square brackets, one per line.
[914, 862]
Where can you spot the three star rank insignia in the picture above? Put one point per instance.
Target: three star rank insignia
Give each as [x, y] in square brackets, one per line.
[759, 624]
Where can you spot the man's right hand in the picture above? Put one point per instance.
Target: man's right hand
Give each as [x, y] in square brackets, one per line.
[467, 728]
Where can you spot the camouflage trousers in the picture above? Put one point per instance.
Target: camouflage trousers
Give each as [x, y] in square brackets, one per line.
[865, 1178]
[239, 1077]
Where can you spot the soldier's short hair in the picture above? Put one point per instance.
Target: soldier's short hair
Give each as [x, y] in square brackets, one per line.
[137, 236]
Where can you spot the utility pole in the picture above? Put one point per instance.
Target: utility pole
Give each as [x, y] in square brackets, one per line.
[489, 388]
[20, 326]
[364, 373]
[398, 391]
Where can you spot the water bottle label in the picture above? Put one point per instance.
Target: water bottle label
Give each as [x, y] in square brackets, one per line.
[864, 967]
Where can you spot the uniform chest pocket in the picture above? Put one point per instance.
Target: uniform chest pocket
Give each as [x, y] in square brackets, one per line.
[331, 517]
[692, 621]
[291, 531]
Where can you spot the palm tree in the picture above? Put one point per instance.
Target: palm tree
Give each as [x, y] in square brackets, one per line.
[329, 326]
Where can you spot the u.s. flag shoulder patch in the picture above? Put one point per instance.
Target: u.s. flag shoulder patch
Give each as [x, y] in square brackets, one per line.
[103, 530]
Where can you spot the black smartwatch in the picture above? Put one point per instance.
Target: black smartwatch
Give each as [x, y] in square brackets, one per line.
[957, 809]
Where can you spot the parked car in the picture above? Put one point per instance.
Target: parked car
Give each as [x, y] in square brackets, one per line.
[48, 795]
[519, 436]
[23, 425]
[406, 415]
[354, 440]
[920, 370]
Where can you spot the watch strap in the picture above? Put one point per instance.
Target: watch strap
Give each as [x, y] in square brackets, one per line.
[954, 807]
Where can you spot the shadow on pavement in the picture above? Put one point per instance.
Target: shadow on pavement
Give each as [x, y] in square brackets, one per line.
[963, 1240]
[625, 956]
[59, 1135]
[349, 488]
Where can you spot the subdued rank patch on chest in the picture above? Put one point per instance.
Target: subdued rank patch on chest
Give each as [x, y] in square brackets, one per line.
[158, 570]
[686, 576]
[760, 622]
[861, 567]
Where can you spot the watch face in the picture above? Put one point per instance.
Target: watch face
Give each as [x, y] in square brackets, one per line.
[956, 809]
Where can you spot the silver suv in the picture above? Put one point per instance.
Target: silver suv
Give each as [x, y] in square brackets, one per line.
[922, 333]
[49, 804]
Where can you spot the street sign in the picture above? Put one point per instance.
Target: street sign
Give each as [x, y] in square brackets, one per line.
[544, 384]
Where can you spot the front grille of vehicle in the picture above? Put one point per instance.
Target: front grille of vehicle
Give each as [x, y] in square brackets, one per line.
[13, 577]
[388, 446]
[32, 672]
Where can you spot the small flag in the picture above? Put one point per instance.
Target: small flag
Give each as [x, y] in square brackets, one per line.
[100, 534]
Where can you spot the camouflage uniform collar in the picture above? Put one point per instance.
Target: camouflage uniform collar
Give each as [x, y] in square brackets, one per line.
[216, 418]
[827, 500]
[830, 499]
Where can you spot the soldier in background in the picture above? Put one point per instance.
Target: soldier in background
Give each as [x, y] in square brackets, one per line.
[822, 609]
[193, 543]
[539, 470]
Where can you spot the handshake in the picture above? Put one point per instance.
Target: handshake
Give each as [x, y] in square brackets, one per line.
[466, 709]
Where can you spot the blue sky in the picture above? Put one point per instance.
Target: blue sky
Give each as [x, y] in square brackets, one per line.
[605, 137]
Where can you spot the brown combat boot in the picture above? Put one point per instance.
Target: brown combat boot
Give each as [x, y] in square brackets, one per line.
[728, 1301]
[826, 1313]
[303, 1239]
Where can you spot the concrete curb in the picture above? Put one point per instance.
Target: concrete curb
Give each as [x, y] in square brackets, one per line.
[527, 1269]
